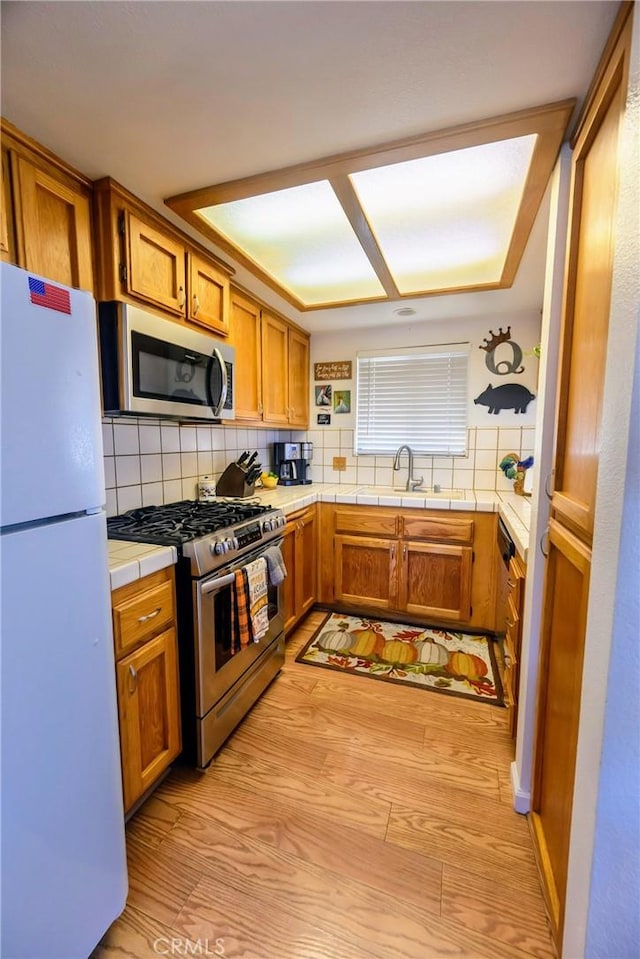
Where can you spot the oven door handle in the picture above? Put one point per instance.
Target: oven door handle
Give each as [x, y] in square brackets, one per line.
[217, 584]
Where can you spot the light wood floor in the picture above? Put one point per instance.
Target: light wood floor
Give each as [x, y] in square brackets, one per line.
[344, 819]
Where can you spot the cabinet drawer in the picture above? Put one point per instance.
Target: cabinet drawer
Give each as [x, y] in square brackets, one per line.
[443, 530]
[372, 524]
[142, 616]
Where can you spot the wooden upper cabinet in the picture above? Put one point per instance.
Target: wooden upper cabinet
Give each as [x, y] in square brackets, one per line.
[275, 369]
[53, 226]
[155, 266]
[298, 378]
[207, 295]
[245, 337]
[6, 224]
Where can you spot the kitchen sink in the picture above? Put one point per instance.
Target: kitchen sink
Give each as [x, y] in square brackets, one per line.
[425, 493]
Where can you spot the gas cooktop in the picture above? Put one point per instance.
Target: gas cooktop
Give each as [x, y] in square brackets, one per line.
[209, 534]
[178, 523]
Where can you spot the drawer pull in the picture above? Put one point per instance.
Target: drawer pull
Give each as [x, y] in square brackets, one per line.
[143, 619]
[133, 680]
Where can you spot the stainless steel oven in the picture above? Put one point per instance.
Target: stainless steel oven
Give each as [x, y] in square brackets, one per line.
[227, 683]
[218, 682]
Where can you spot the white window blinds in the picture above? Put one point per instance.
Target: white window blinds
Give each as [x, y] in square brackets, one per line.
[416, 395]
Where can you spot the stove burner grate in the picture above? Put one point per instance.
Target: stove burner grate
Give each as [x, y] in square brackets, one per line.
[182, 522]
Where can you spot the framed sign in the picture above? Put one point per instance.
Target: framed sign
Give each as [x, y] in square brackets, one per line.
[324, 419]
[337, 370]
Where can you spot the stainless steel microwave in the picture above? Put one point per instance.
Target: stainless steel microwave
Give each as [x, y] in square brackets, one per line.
[155, 367]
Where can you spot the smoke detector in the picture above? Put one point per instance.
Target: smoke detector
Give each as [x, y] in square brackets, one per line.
[404, 311]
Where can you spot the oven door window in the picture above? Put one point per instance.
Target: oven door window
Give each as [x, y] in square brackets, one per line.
[171, 373]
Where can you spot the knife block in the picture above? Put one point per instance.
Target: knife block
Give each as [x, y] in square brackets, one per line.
[233, 482]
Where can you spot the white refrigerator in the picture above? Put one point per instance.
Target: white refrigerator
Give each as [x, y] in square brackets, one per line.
[63, 865]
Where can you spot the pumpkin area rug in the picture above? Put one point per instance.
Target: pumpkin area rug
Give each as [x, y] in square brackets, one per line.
[444, 661]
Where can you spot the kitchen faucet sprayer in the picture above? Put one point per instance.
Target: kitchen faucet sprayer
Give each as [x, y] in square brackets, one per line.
[411, 482]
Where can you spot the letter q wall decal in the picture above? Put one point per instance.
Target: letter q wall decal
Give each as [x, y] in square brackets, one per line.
[502, 367]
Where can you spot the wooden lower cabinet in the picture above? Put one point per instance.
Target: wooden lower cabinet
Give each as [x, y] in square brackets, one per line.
[436, 580]
[148, 713]
[365, 572]
[513, 638]
[299, 551]
[147, 681]
[415, 562]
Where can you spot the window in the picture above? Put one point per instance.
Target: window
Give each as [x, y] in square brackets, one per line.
[416, 395]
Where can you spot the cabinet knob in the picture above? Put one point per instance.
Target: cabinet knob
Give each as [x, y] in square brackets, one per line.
[181, 297]
[196, 305]
[133, 680]
[260, 406]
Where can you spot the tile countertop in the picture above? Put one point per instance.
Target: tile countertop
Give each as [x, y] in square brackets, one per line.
[514, 510]
[131, 561]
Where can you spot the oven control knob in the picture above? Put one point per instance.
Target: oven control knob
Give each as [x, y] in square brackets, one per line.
[218, 549]
[266, 526]
[234, 543]
[228, 545]
[281, 521]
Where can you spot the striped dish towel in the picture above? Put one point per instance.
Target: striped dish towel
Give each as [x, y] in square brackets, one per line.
[241, 629]
[256, 575]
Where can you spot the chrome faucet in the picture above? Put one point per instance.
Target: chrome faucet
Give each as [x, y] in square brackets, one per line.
[411, 482]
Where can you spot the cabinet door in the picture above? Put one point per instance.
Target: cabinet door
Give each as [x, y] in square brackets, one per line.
[53, 227]
[245, 337]
[155, 266]
[148, 707]
[275, 369]
[436, 580]
[306, 562]
[208, 300]
[366, 571]
[289, 586]
[298, 379]
[564, 621]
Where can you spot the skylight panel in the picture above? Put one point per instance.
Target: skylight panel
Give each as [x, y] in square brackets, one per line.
[446, 221]
[302, 238]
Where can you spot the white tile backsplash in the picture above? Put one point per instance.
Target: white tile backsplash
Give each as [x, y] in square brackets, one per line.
[163, 461]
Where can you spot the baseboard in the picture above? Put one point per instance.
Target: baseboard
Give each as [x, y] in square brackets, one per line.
[521, 799]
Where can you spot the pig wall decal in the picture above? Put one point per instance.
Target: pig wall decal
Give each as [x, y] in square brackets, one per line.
[511, 396]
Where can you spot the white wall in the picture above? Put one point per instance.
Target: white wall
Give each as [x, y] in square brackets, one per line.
[490, 435]
[602, 891]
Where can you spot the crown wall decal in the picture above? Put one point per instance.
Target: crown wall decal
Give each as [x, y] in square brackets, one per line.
[496, 339]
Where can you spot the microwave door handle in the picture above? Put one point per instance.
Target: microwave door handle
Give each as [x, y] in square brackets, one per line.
[217, 407]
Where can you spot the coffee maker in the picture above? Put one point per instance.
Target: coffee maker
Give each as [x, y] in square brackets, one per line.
[291, 462]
